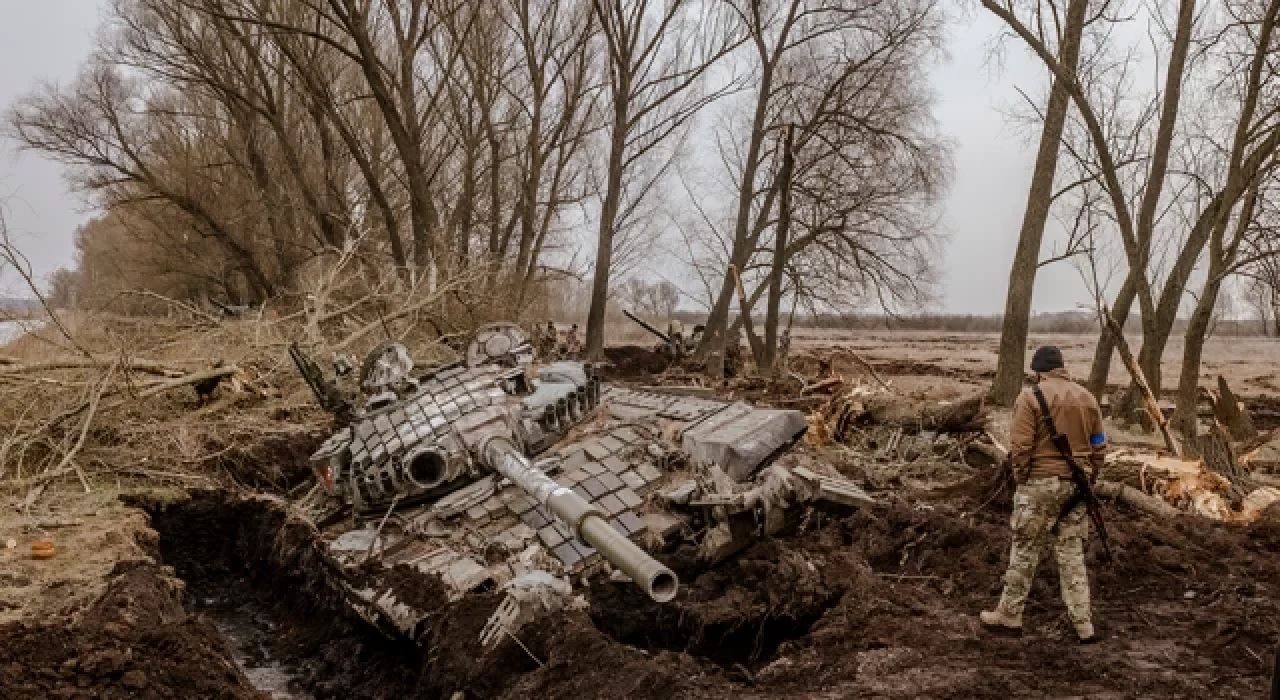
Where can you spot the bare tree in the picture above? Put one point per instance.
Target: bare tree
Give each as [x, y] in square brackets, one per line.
[234, 142]
[657, 56]
[1026, 258]
[1113, 144]
[846, 77]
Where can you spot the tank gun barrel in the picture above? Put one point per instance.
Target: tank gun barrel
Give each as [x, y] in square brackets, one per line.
[500, 454]
[647, 327]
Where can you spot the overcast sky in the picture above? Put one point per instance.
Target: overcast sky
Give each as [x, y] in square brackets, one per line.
[47, 41]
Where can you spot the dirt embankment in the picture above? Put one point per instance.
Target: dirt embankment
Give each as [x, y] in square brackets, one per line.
[136, 641]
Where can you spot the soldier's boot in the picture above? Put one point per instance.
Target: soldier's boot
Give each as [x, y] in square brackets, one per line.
[1000, 621]
[1086, 633]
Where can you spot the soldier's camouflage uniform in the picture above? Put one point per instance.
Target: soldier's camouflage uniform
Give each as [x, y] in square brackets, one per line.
[1044, 486]
[1036, 506]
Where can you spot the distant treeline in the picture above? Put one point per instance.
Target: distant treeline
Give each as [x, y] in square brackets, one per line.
[1068, 322]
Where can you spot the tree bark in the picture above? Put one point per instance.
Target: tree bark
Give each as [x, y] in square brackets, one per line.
[608, 217]
[1026, 260]
[779, 255]
[1185, 414]
[1228, 412]
[1100, 370]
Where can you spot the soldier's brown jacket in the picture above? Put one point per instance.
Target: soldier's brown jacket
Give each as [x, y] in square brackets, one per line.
[1076, 414]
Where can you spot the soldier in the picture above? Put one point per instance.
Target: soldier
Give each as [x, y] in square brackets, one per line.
[675, 346]
[549, 342]
[573, 343]
[1044, 487]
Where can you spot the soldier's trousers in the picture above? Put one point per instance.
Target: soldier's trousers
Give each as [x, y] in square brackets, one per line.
[1036, 506]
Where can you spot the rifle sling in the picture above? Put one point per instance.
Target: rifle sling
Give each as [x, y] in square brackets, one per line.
[1078, 497]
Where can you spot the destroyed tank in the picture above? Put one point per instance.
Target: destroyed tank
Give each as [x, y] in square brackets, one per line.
[496, 473]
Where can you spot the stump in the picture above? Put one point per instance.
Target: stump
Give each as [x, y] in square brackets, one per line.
[1220, 457]
[1227, 411]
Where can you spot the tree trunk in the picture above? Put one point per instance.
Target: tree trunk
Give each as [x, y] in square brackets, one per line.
[1228, 412]
[1026, 259]
[1155, 336]
[1184, 415]
[744, 318]
[779, 256]
[715, 337]
[1100, 370]
[608, 216]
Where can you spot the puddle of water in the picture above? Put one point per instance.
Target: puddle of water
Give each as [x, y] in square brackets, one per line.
[245, 631]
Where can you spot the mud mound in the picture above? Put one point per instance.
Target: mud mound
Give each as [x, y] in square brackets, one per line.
[582, 662]
[136, 641]
[1266, 529]
[1188, 603]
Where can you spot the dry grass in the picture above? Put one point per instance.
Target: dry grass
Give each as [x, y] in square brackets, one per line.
[112, 399]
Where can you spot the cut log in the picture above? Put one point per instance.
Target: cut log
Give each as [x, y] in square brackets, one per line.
[1134, 498]
[1228, 411]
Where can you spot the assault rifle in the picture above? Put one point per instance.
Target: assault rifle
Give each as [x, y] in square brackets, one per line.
[1084, 488]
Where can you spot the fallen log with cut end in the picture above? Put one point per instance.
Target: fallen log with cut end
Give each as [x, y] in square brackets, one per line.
[913, 415]
[1134, 498]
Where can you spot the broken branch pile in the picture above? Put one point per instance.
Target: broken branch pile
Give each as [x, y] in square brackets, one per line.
[135, 398]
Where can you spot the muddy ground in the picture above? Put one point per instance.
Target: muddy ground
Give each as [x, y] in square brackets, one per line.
[221, 593]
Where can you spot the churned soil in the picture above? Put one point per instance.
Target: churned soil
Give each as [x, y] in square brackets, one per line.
[136, 641]
[880, 601]
[883, 602]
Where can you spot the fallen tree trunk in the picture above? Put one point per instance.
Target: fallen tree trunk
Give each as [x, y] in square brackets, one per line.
[913, 415]
[1140, 379]
[1134, 498]
[189, 379]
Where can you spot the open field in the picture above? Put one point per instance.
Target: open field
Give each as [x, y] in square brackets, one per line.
[1248, 363]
